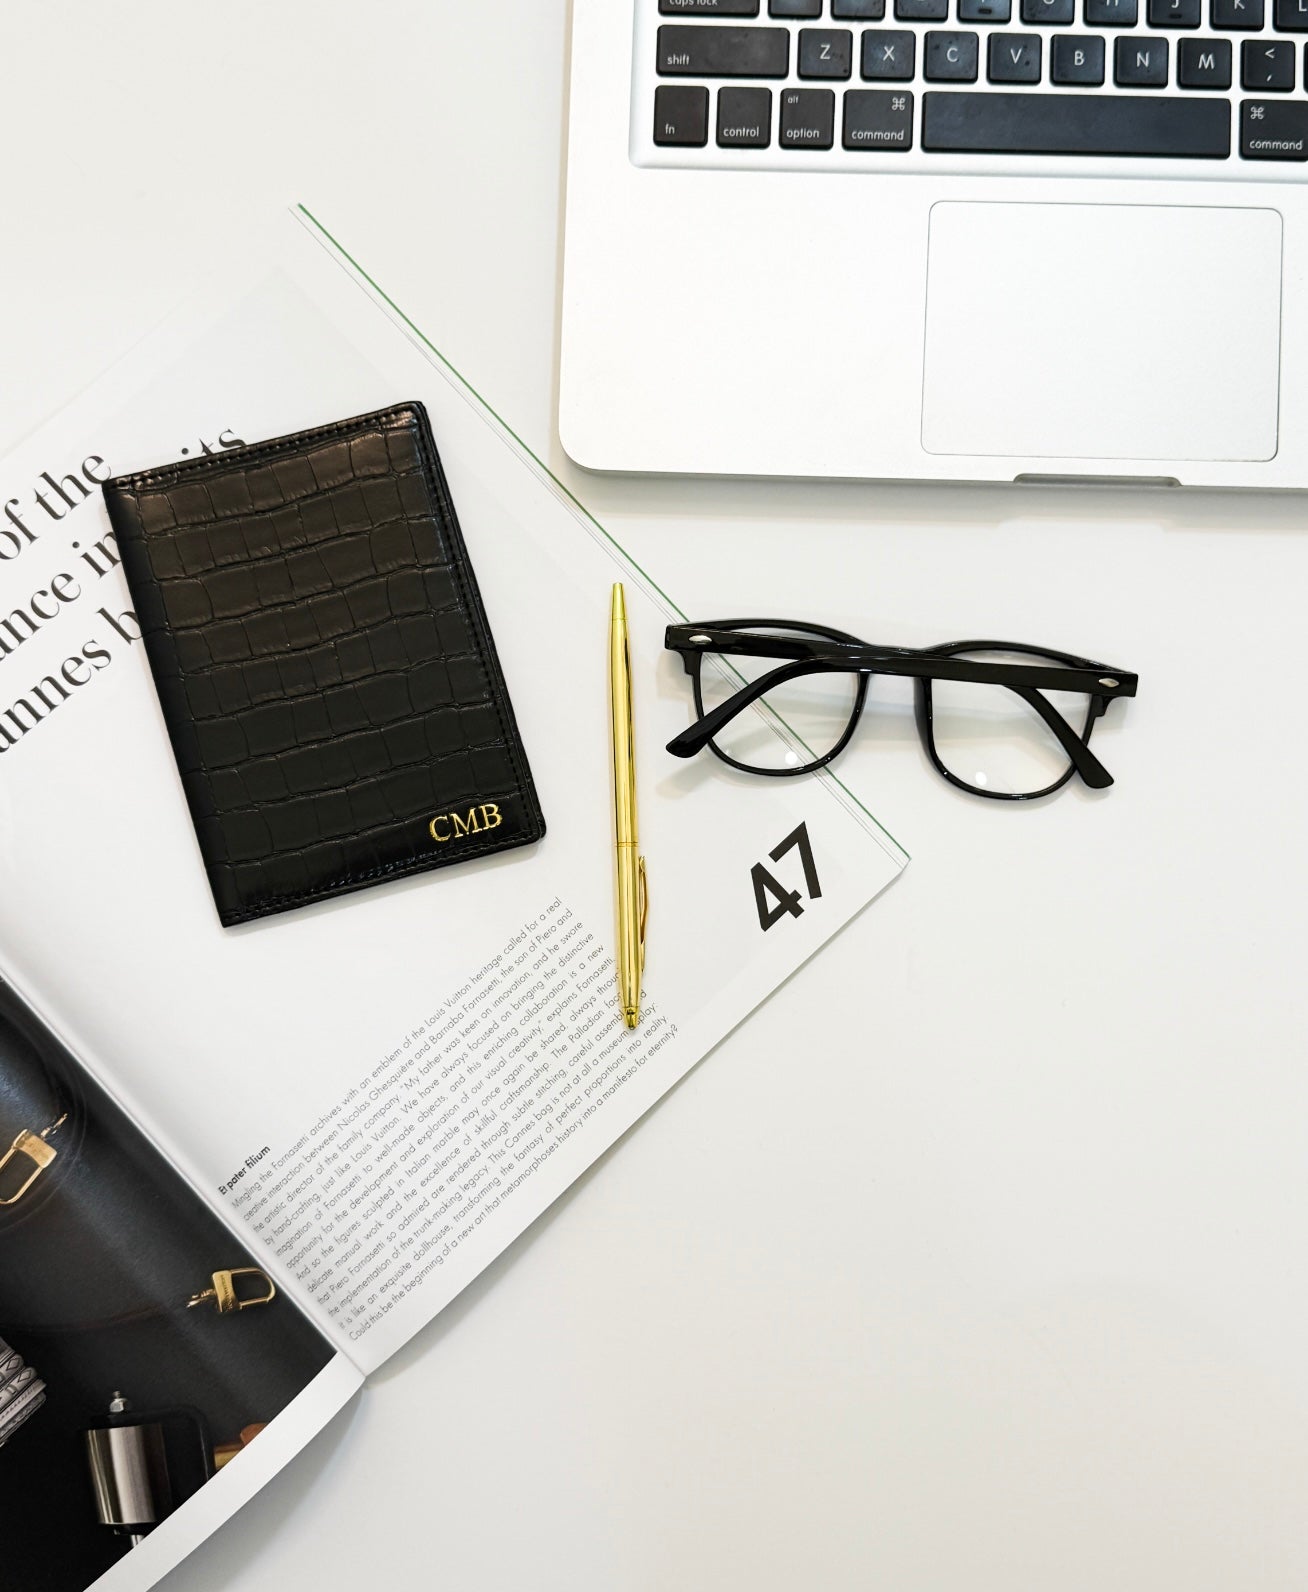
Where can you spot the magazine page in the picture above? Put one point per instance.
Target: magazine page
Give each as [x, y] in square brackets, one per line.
[152, 1375]
[385, 1088]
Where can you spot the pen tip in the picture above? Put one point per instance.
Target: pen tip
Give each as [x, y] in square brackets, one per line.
[631, 1015]
[618, 606]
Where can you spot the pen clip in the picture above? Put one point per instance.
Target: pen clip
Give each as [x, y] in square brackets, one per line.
[644, 908]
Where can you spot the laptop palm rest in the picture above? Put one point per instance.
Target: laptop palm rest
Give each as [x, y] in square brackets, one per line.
[1093, 332]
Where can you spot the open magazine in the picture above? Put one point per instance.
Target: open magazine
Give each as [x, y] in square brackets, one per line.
[240, 1167]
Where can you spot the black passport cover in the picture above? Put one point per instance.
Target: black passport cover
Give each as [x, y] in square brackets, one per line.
[323, 662]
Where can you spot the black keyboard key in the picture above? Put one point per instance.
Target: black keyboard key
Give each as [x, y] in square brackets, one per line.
[1076, 60]
[888, 57]
[1014, 58]
[1174, 13]
[1065, 124]
[1110, 13]
[1267, 64]
[1290, 16]
[723, 52]
[950, 58]
[680, 115]
[1048, 13]
[1140, 62]
[1203, 63]
[708, 8]
[808, 118]
[826, 52]
[878, 118]
[795, 8]
[1241, 15]
[744, 118]
[1273, 130]
[1236, 14]
[921, 10]
[858, 10]
[985, 10]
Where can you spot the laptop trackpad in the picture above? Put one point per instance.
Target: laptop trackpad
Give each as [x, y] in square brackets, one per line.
[1102, 331]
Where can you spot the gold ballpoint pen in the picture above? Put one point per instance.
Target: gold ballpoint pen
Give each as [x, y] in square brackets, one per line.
[633, 894]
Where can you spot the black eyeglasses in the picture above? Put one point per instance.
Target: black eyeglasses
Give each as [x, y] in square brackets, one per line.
[997, 718]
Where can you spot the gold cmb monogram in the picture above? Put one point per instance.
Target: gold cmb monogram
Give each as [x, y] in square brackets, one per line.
[458, 826]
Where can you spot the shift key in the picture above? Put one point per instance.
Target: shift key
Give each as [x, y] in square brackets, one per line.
[723, 52]
[1273, 130]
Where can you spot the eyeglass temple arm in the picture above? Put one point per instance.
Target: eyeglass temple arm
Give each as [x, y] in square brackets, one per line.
[697, 736]
[1087, 765]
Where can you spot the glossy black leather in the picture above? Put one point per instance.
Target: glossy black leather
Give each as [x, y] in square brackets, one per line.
[36, 1100]
[323, 661]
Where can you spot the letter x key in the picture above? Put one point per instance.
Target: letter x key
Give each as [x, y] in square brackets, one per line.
[888, 56]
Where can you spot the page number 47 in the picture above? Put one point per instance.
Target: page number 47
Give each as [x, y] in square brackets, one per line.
[771, 897]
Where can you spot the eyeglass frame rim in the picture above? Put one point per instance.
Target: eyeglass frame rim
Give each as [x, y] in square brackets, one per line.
[829, 653]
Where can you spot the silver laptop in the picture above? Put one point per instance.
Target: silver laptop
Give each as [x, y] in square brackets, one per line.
[939, 239]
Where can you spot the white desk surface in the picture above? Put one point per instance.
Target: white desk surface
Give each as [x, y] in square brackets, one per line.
[1023, 1307]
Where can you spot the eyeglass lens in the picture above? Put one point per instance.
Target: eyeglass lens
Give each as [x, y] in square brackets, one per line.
[992, 740]
[814, 710]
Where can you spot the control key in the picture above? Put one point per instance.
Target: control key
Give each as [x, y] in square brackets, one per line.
[1273, 130]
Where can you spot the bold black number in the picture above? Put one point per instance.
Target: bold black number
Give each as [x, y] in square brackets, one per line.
[799, 837]
[787, 901]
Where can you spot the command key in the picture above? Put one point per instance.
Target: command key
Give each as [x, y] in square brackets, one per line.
[878, 119]
[1273, 130]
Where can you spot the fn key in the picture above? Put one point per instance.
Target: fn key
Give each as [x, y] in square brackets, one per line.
[681, 115]
[878, 119]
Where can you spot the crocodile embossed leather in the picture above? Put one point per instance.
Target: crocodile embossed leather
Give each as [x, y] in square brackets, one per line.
[323, 662]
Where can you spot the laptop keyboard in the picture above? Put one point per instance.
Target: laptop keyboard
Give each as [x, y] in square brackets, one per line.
[1170, 79]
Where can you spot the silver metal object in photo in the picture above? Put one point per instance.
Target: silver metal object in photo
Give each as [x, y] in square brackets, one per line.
[129, 1473]
[22, 1392]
